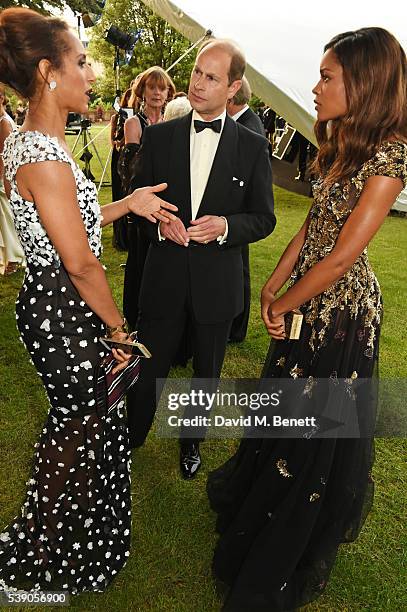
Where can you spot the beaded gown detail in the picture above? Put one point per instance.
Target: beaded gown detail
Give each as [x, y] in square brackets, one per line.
[73, 531]
[285, 505]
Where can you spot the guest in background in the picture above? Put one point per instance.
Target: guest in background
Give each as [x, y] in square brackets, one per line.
[299, 145]
[11, 253]
[154, 88]
[117, 142]
[20, 113]
[239, 110]
[9, 109]
[269, 123]
[178, 107]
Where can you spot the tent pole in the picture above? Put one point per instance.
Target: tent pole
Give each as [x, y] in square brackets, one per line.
[207, 34]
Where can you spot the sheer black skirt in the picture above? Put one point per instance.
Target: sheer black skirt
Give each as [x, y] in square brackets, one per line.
[73, 530]
[285, 505]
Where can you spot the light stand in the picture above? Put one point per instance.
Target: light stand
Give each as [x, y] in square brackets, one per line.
[86, 156]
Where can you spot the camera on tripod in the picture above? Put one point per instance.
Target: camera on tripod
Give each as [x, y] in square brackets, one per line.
[85, 123]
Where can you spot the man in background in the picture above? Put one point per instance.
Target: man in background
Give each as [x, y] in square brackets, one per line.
[239, 110]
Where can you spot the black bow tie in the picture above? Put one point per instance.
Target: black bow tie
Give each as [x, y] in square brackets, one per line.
[215, 125]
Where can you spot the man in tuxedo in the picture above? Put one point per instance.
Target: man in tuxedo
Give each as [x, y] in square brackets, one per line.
[219, 177]
[239, 110]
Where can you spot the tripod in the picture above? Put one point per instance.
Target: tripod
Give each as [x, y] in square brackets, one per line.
[87, 155]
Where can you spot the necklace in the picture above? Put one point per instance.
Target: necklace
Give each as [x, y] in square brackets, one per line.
[153, 121]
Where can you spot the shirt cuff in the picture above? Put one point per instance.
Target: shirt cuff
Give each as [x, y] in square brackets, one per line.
[222, 239]
[160, 237]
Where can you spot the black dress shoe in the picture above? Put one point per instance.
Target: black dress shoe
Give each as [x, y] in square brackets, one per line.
[189, 460]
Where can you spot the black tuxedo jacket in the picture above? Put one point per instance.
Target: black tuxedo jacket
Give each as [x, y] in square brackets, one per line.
[209, 277]
[252, 121]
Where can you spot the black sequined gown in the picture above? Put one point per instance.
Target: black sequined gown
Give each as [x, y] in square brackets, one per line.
[285, 505]
[73, 530]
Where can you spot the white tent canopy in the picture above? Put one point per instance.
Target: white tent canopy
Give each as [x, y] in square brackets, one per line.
[283, 40]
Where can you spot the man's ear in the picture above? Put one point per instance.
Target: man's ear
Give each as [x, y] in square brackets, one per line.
[234, 88]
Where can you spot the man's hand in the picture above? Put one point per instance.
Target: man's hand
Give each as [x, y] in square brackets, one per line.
[207, 228]
[175, 231]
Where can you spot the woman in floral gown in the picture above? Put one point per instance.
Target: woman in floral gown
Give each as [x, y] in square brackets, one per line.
[73, 531]
[285, 505]
[11, 253]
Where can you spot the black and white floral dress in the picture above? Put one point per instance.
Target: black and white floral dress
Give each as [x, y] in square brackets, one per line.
[73, 531]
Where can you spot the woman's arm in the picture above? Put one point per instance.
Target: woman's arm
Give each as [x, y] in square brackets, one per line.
[132, 130]
[282, 271]
[52, 187]
[372, 208]
[142, 202]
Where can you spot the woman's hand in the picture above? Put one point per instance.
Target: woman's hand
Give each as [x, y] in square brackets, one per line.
[275, 325]
[145, 203]
[267, 297]
[122, 357]
[276, 329]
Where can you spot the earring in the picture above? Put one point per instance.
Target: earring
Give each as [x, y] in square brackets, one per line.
[52, 85]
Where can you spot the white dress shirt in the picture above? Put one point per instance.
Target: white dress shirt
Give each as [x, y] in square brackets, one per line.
[240, 113]
[202, 150]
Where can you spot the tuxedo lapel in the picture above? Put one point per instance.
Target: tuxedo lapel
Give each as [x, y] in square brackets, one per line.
[223, 167]
[179, 183]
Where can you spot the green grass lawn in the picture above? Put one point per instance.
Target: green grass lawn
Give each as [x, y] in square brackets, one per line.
[173, 527]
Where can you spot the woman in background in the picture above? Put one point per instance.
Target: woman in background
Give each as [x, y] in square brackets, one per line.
[285, 505]
[154, 88]
[117, 142]
[11, 253]
[73, 532]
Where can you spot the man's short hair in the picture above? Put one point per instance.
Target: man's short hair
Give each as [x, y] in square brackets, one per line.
[243, 95]
[237, 59]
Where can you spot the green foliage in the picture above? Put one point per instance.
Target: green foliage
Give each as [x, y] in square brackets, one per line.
[255, 103]
[46, 6]
[160, 45]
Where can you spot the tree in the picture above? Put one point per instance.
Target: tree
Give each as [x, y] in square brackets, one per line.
[45, 6]
[160, 45]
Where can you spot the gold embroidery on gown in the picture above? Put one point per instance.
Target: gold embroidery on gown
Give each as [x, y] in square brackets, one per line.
[358, 289]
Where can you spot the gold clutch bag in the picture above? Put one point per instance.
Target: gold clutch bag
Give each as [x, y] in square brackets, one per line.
[293, 324]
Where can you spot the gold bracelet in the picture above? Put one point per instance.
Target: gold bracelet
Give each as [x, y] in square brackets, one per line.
[111, 331]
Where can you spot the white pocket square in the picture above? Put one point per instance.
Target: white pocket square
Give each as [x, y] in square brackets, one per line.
[241, 183]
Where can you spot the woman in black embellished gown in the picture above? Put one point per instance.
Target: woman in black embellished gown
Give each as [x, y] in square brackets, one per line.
[73, 532]
[153, 88]
[285, 505]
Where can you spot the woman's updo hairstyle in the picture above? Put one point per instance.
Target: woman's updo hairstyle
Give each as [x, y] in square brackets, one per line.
[26, 37]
